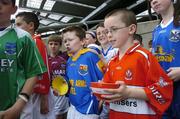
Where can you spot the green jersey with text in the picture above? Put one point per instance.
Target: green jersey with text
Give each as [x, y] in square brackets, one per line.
[19, 60]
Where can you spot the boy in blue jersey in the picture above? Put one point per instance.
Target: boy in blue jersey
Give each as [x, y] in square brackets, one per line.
[20, 64]
[83, 67]
[165, 46]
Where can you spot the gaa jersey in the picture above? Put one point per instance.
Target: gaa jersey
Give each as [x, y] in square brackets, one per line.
[57, 66]
[110, 53]
[138, 68]
[19, 61]
[81, 70]
[166, 44]
[42, 86]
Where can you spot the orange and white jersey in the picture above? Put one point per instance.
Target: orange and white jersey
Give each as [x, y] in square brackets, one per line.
[138, 68]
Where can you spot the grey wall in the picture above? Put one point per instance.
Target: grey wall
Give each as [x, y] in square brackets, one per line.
[145, 30]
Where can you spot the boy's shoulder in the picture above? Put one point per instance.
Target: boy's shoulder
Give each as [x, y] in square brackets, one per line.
[85, 53]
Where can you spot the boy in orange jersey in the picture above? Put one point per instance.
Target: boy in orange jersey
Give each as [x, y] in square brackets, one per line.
[145, 90]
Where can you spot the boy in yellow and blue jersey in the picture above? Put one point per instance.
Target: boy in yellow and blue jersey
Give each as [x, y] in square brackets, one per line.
[83, 67]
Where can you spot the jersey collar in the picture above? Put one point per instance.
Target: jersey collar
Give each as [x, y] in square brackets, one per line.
[6, 30]
[130, 50]
[133, 48]
[80, 52]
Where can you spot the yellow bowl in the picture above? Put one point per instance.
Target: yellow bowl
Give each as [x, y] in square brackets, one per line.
[60, 85]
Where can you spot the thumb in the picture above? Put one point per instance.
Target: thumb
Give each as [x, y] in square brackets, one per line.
[120, 82]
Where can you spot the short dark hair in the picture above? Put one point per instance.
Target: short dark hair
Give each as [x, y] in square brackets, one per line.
[79, 31]
[55, 38]
[127, 16]
[29, 17]
[138, 37]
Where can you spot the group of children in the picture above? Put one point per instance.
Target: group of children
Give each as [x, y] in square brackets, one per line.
[149, 82]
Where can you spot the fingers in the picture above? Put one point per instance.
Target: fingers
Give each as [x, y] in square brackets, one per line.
[112, 98]
[111, 91]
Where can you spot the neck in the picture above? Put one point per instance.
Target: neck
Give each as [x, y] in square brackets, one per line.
[53, 54]
[75, 54]
[32, 33]
[125, 47]
[4, 25]
[106, 46]
[168, 14]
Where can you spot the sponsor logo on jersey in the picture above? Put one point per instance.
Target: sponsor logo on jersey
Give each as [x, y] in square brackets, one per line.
[128, 75]
[6, 65]
[163, 56]
[162, 83]
[157, 94]
[175, 35]
[128, 103]
[10, 48]
[83, 69]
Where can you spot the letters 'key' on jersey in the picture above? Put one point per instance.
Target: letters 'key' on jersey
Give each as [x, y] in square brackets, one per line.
[19, 60]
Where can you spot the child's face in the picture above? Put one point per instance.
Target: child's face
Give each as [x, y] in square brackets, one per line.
[54, 47]
[6, 10]
[160, 6]
[117, 31]
[89, 40]
[101, 36]
[72, 42]
[23, 25]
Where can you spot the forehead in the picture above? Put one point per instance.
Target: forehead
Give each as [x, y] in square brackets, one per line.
[100, 28]
[70, 35]
[19, 19]
[115, 20]
[53, 42]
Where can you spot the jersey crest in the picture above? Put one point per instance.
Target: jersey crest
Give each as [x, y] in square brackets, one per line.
[10, 48]
[83, 69]
[175, 35]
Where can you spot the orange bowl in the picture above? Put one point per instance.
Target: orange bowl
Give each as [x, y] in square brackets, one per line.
[99, 87]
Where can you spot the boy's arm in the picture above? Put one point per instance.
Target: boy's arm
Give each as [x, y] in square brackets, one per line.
[43, 85]
[14, 111]
[123, 92]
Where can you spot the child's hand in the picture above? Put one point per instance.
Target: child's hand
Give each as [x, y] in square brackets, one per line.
[117, 94]
[11, 113]
[174, 73]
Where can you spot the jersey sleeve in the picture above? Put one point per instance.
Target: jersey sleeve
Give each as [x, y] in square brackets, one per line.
[96, 65]
[31, 59]
[159, 88]
[42, 85]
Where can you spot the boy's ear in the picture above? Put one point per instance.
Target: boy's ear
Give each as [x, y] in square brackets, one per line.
[83, 41]
[132, 29]
[31, 26]
[14, 9]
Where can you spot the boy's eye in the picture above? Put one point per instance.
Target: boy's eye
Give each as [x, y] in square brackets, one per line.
[5, 2]
[53, 43]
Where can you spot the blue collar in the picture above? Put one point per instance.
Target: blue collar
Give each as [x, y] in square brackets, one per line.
[105, 53]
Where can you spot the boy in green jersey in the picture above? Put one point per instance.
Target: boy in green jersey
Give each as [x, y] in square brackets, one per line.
[20, 64]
